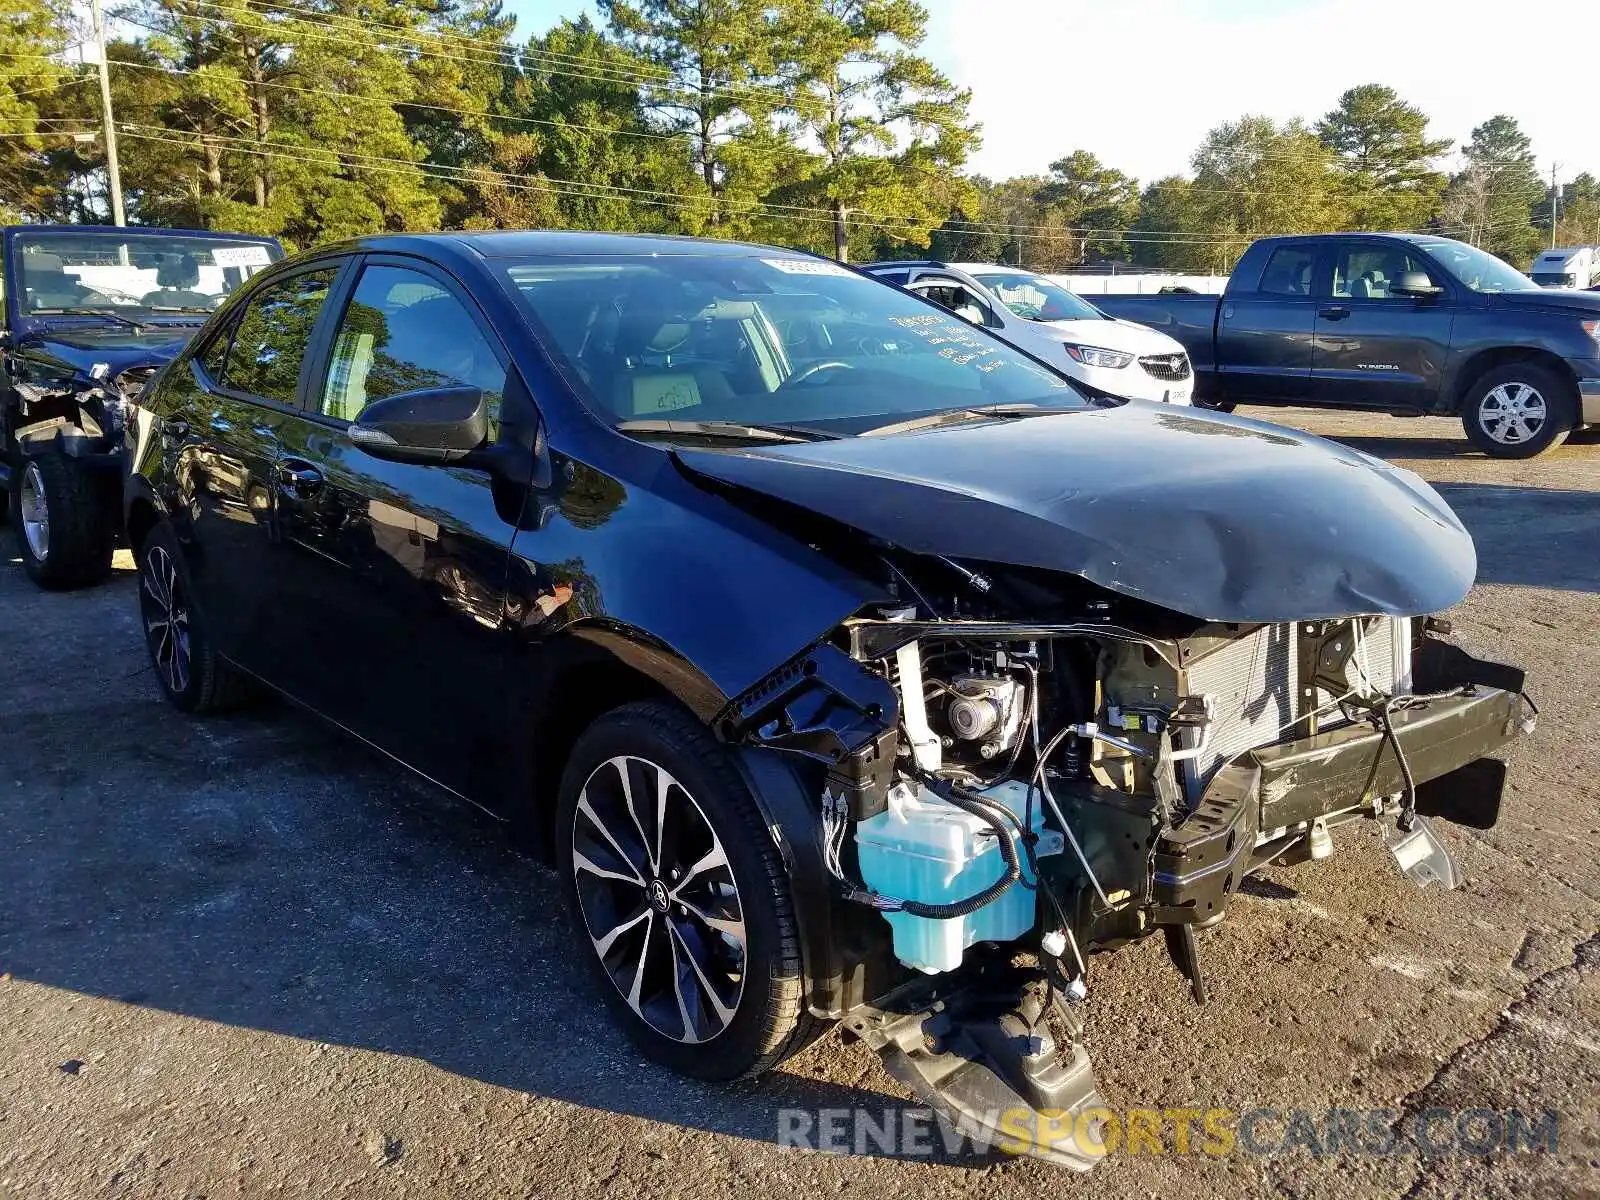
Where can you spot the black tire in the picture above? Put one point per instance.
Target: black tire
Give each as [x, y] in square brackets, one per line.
[769, 1020]
[187, 667]
[1537, 408]
[79, 536]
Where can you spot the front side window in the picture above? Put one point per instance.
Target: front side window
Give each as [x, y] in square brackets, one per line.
[402, 332]
[1035, 298]
[148, 272]
[1476, 269]
[763, 340]
[1288, 271]
[1368, 272]
[270, 343]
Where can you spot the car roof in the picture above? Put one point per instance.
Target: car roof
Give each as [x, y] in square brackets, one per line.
[123, 230]
[1352, 235]
[522, 243]
[973, 268]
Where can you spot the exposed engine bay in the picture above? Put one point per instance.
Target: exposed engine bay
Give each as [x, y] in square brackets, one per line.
[1059, 787]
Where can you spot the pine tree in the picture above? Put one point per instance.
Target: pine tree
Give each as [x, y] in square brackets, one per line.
[1385, 158]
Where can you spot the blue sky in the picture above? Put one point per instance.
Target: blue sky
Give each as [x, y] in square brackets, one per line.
[1139, 82]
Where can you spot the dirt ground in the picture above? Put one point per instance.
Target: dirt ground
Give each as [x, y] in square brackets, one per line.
[245, 958]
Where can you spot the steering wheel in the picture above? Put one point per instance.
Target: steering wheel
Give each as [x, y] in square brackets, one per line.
[816, 369]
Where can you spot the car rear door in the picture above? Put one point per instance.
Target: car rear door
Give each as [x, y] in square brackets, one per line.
[1266, 329]
[1375, 349]
[398, 589]
[223, 438]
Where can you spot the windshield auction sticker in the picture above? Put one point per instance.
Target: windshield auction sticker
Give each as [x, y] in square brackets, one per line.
[805, 266]
[240, 256]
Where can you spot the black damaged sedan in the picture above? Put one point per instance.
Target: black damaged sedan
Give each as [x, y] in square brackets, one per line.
[847, 664]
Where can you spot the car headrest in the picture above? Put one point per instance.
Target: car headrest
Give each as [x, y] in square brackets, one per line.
[178, 270]
[37, 263]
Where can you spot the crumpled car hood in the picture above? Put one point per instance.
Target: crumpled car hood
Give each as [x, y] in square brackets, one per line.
[81, 349]
[1220, 518]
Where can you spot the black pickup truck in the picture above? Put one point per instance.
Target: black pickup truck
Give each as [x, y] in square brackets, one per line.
[1405, 323]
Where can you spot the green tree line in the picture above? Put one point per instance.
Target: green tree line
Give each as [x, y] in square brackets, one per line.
[812, 123]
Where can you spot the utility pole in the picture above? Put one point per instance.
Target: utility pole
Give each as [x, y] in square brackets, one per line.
[1555, 203]
[113, 171]
[841, 232]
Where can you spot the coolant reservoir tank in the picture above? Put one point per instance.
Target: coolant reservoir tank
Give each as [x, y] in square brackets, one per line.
[924, 848]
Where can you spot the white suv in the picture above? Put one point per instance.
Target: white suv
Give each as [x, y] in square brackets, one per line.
[1117, 358]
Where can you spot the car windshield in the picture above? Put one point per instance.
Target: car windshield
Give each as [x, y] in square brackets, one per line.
[767, 341]
[1476, 269]
[132, 272]
[1035, 298]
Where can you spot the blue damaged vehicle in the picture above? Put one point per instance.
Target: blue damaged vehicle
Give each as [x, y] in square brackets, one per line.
[91, 314]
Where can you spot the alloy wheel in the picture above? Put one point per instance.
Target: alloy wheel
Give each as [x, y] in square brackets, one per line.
[1512, 413]
[35, 512]
[166, 618]
[659, 899]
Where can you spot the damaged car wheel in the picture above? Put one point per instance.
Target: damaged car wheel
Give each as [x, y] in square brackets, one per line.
[677, 889]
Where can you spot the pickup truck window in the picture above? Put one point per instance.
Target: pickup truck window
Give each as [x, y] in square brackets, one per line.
[1288, 271]
[1474, 269]
[1365, 272]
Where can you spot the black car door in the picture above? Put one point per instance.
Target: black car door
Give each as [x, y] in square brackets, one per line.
[222, 437]
[397, 594]
[1264, 335]
[1376, 349]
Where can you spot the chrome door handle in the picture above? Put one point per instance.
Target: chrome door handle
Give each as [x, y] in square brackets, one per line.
[1337, 312]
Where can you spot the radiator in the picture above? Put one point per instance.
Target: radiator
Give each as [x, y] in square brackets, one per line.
[1256, 693]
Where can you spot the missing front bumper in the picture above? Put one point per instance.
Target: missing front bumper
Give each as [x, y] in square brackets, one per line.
[1255, 806]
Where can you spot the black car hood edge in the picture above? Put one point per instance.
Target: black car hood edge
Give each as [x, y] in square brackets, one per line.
[1220, 518]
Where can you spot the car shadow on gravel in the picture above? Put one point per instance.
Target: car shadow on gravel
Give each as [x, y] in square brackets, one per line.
[263, 872]
[1544, 537]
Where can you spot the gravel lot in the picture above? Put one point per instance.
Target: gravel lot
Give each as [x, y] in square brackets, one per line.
[245, 958]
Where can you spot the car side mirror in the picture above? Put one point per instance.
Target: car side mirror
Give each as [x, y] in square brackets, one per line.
[1414, 283]
[429, 425]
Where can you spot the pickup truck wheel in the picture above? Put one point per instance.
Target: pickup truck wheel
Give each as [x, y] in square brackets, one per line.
[1518, 411]
[679, 899]
[60, 512]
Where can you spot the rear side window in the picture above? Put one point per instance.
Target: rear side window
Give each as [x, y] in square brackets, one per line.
[1288, 271]
[215, 355]
[269, 345]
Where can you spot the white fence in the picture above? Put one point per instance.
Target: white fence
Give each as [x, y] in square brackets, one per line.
[1139, 285]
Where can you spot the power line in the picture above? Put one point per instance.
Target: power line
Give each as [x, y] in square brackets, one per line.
[604, 191]
[358, 30]
[121, 65]
[389, 165]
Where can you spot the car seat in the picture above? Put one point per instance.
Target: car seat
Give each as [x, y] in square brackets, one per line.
[176, 275]
[47, 283]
